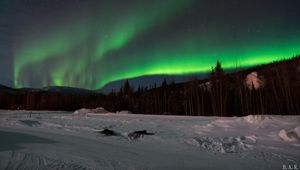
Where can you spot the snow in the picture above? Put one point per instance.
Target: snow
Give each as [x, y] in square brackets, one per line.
[60, 140]
[254, 81]
[226, 144]
[85, 111]
[123, 112]
[297, 131]
[207, 85]
[255, 118]
[290, 136]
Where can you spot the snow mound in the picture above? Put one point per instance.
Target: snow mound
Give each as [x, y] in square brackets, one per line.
[82, 111]
[290, 136]
[255, 118]
[254, 81]
[297, 131]
[124, 112]
[206, 85]
[85, 111]
[99, 110]
[226, 144]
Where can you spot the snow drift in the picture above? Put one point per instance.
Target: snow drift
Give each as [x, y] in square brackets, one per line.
[226, 144]
[290, 136]
[255, 118]
[124, 112]
[254, 81]
[85, 111]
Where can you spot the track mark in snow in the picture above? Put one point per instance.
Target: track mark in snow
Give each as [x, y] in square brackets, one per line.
[270, 156]
[30, 123]
[21, 160]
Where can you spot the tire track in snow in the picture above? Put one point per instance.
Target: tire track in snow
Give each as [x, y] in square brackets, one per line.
[24, 161]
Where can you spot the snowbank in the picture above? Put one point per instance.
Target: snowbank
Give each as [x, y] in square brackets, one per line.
[255, 118]
[290, 136]
[253, 81]
[206, 85]
[226, 144]
[85, 111]
[124, 112]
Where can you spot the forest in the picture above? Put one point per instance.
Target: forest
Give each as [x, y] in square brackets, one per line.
[265, 89]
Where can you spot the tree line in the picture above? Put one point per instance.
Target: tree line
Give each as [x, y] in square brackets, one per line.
[219, 95]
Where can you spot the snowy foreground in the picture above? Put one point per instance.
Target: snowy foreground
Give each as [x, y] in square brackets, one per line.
[63, 140]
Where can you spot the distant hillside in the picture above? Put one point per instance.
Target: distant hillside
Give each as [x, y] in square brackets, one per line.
[5, 89]
[49, 98]
[266, 89]
[150, 80]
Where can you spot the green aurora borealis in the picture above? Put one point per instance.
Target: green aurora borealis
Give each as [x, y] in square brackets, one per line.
[90, 44]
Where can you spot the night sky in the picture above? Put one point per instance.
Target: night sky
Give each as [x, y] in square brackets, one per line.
[90, 43]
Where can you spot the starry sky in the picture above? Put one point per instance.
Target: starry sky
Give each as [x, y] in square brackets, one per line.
[90, 43]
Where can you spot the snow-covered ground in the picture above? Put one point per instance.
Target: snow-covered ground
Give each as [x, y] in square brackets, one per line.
[63, 140]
